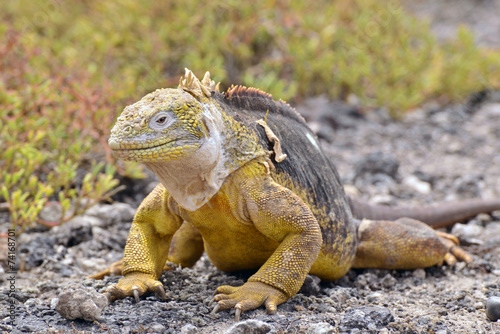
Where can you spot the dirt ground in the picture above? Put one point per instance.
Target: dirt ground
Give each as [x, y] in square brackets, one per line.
[437, 153]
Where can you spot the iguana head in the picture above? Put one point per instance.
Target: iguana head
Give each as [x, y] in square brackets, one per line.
[164, 125]
[185, 138]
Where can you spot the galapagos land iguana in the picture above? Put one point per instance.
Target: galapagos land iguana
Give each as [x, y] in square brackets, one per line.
[244, 179]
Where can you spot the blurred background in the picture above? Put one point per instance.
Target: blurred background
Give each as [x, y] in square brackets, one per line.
[67, 68]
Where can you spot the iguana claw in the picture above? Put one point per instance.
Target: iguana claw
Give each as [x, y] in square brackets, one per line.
[216, 308]
[160, 292]
[237, 313]
[136, 295]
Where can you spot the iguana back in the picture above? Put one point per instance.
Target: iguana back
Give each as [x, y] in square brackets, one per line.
[306, 170]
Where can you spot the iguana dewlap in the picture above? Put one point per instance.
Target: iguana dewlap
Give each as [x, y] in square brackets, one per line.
[244, 179]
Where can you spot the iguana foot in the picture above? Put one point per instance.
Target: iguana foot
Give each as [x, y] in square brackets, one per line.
[405, 244]
[135, 284]
[455, 253]
[249, 296]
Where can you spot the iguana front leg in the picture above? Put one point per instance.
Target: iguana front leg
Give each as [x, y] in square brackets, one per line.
[186, 248]
[282, 216]
[147, 248]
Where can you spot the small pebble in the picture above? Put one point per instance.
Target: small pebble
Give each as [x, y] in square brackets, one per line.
[416, 184]
[250, 326]
[189, 329]
[484, 217]
[321, 328]
[159, 328]
[493, 308]
[478, 305]
[419, 273]
[467, 231]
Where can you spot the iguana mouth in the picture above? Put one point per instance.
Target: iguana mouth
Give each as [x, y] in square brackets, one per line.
[120, 146]
[139, 148]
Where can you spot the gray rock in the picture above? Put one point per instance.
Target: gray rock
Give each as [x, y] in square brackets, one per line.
[311, 285]
[493, 308]
[493, 233]
[112, 214]
[340, 295]
[468, 186]
[80, 302]
[416, 184]
[127, 212]
[51, 212]
[73, 232]
[466, 231]
[388, 281]
[189, 329]
[377, 163]
[321, 328]
[374, 297]
[419, 273]
[370, 280]
[92, 265]
[325, 116]
[371, 318]
[250, 326]
[159, 328]
[37, 250]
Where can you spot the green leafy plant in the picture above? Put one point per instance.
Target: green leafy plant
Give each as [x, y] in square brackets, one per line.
[292, 49]
[42, 123]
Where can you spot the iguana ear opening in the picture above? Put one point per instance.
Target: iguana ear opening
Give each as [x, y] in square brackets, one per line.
[209, 122]
[206, 128]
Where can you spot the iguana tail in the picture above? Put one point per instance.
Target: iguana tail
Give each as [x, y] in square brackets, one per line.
[438, 215]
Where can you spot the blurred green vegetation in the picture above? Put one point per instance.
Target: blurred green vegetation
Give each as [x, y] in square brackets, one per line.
[69, 67]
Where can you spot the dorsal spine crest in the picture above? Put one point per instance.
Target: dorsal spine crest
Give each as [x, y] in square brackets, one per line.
[240, 91]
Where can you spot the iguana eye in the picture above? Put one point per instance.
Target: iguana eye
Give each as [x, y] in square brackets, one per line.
[161, 121]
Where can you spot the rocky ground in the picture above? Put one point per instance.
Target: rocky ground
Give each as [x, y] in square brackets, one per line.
[445, 16]
[434, 154]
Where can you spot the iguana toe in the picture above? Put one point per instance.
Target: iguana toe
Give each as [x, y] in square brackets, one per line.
[135, 284]
[448, 236]
[455, 252]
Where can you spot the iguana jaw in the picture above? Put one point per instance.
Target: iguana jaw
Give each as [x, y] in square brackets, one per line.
[170, 150]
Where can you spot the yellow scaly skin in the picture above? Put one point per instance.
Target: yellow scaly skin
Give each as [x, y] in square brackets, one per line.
[219, 192]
